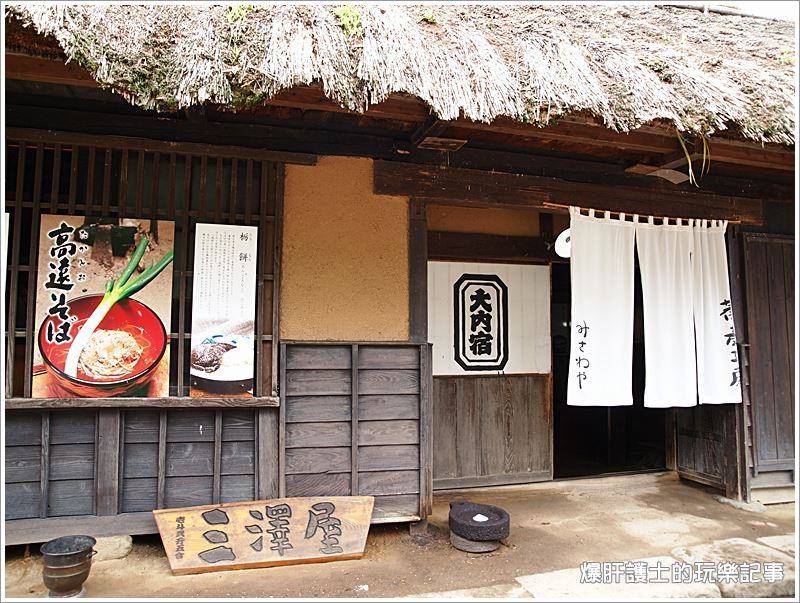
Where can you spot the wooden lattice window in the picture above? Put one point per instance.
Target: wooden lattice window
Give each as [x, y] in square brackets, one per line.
[77, 174]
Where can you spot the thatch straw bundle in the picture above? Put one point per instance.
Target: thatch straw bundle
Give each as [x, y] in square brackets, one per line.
[628, 65]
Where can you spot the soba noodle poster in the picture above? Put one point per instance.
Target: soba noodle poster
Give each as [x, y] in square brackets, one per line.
[103, 307]
[223, 311]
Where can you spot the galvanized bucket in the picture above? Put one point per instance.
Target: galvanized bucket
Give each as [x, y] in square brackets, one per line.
[66, 564]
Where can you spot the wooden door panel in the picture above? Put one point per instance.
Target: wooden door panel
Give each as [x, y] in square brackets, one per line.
[491, 430]
[769, 270]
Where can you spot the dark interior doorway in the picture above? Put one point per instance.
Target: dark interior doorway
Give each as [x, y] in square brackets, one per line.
[597, 440]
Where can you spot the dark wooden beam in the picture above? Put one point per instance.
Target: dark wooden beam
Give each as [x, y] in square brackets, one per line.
[417, 271]
[294, 137]
[38, 69]
[163, 146]
[177, 402]
[478, 247]
[493, 189]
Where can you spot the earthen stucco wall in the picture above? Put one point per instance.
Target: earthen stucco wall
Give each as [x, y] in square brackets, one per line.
[345, 255]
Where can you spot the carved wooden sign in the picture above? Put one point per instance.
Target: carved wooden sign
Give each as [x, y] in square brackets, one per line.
[264, 533]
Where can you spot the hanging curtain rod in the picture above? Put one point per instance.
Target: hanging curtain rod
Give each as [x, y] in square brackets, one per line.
[630, 215]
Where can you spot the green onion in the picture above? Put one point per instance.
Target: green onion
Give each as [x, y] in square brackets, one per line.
[115, 291]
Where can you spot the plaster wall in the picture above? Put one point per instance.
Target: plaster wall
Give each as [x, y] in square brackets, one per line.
[344, 273]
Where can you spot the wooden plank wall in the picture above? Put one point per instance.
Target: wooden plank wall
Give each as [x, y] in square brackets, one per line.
[350, 424]
[492, 430]
[166, 458]
[769, 265]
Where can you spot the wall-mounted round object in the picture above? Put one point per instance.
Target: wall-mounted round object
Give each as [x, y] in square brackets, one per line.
[563, 246]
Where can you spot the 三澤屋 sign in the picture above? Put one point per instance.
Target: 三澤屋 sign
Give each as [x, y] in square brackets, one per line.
[264, 533]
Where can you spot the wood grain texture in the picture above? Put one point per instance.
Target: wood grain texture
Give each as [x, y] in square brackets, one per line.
[388, 432]
[417, 271]
[313, 409]
[24, 531]
[388, 407]
[70, 497]
[488, 427]
[73, 427]
[264, 533]
[388, 458]
[72, 461]
[23, 428]
[325, 451]
[769, 275]
[376, 381]
[317, 357]
[307, 435]
[318, 484]
[174, 402]
[388, 357]
[22, 464]
[107, 457]
[318, 382]
[382, 483]
[482, 189]
[317, 460]
[22, 500]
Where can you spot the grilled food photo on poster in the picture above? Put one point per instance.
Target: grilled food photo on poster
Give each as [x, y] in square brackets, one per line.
[103, 306]
[223, 311]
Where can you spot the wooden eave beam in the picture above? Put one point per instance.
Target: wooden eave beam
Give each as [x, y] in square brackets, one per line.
[38, 69]
[648, 140]
[477, 188]
[472, 247]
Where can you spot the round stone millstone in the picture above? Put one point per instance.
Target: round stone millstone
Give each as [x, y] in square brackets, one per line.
[472, 546]
[493, 525]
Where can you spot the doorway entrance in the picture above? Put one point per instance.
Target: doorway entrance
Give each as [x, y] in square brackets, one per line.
[591, 441]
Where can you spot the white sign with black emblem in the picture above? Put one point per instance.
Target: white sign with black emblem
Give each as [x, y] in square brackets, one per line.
[489, 318]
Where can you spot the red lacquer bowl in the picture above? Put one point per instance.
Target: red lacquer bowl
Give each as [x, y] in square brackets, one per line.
[128, 314]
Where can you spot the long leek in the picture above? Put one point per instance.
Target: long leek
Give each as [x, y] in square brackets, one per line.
[116, 290]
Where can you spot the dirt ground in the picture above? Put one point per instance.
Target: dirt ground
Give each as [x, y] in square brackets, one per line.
[554, 525]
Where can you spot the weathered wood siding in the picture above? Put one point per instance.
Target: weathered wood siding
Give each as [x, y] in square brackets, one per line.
[700, 451]
[769, 267]
[353, 422]
[492, 430]
[144, 460]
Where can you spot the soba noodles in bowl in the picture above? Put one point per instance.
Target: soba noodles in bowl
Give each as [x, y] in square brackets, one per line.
[120, 355]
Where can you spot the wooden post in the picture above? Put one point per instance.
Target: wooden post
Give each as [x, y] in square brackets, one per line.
[354, 420]
[107, 462]
[417, 271]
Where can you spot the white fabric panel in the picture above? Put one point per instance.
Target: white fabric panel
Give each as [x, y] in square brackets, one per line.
[665, 260]
[528, 329]
[717, 357]
[601, 348]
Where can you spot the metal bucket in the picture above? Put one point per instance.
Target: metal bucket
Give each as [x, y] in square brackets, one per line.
[66, 564]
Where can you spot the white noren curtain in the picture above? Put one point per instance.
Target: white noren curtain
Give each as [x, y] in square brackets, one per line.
[718, 375]
[601, 338]
[665, 262]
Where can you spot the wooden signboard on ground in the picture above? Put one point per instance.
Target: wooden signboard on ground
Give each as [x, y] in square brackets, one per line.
[264, 533]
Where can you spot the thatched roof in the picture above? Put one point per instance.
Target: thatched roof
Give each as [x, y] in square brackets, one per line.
[628, 65]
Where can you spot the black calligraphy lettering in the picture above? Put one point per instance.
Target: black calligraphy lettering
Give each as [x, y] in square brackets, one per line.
[480, 343]
[320, 517]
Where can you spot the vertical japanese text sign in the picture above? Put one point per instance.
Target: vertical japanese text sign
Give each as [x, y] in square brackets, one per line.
[480, 313]
[223, 310]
